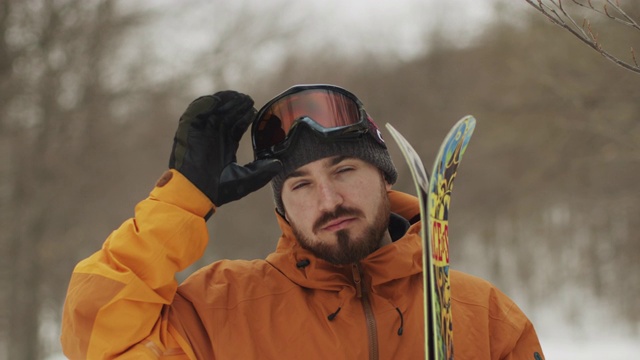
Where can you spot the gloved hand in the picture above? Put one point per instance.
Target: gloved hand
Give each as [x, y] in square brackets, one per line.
[205, 145]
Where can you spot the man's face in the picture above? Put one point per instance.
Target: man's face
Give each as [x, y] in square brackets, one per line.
[338, 208]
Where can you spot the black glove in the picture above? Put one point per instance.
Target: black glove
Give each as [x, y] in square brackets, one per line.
[205, 145]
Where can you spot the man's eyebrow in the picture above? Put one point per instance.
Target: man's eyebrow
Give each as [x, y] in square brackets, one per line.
[338, 159]
[296, 173]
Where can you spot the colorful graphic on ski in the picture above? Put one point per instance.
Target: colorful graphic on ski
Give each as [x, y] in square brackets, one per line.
[435, 198]
[444, 173]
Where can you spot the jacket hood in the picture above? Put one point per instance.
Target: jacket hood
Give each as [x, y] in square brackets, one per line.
[398, 260]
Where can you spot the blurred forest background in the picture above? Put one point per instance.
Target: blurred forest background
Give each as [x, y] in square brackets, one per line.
[547, 202]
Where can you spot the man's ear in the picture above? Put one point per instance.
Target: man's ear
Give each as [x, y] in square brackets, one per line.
[386, 183]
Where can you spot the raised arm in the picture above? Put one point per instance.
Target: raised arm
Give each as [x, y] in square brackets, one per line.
[116, 297]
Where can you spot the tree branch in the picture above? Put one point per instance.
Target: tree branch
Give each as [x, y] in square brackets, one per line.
[556, 13]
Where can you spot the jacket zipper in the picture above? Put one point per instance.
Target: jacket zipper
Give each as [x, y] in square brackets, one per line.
[363, 294]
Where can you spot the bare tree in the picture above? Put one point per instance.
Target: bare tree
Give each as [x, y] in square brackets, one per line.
[54, 63]
[559, 14]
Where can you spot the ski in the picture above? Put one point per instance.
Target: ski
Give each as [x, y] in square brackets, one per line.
[435, 198]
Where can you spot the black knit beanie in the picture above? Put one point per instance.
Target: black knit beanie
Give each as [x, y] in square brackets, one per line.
[308, 147]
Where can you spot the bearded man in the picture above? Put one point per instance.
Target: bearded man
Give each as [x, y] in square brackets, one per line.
[345, 281]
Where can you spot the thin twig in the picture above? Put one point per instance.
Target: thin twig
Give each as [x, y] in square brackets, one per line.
[625, 19]
[587, 36]
[629, 20]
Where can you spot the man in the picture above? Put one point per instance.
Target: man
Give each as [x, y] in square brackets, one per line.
[345, 281]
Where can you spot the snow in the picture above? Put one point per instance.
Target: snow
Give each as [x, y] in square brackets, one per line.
[574, 324]
[591, 349]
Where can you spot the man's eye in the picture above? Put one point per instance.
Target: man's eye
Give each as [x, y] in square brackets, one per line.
[344, 169]
[299, 185]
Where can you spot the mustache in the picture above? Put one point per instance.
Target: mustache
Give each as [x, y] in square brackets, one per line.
[327, 217]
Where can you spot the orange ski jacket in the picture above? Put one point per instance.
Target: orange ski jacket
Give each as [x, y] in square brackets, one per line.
[124, 302]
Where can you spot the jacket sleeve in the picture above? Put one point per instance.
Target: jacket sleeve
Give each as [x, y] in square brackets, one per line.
[512, 333]
[116, 299]
[487, 324]
[527, 347]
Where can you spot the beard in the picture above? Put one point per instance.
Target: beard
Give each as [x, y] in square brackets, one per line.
[348, 248]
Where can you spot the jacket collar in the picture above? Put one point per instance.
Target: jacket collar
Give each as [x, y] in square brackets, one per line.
[400, 259]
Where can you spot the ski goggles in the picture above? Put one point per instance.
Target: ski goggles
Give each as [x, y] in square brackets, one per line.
[330, 111]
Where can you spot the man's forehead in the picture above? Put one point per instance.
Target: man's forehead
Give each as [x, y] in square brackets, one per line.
[324, 162]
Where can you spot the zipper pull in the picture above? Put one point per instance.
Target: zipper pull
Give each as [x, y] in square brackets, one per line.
[357, 279]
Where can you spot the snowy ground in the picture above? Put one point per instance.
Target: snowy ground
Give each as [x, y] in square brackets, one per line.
[594, 333]
[591, 349]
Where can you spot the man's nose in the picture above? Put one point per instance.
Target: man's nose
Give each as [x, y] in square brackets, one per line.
[328, 196]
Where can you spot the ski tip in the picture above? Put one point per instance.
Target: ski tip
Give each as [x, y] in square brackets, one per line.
[469, 119]
[395, 134]
[467, 122]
